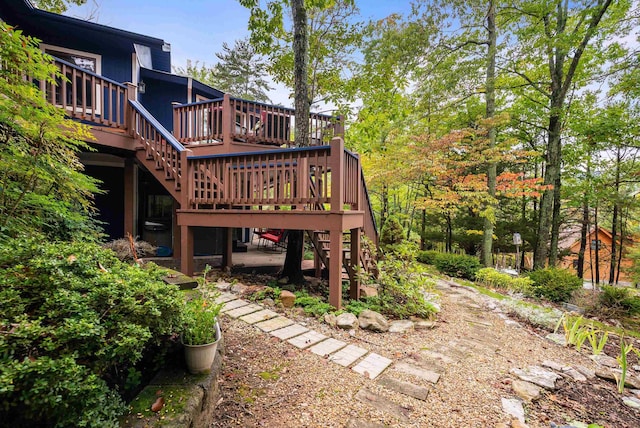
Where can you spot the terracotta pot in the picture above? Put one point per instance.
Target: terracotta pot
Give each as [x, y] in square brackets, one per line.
[199, 358]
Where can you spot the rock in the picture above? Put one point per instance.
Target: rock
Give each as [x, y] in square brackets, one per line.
[588, 373]
[557, 338]
[223, 286]
[287, 298]
[526, 390]
[573, 308]
[238, 288]
[610, 374]
[605, 360]
[607, 374]
[632, 382]
[401, 326]
[636, 367]
[283, 280]
[632, 402]
[424, 325]
[268, 302]
[370, 320]
[501, 425]
[347, 321]
[574, 374]
[518, 424]
[513, 407]
[330, 319]
[635, 392]
[537, 375]
[552, 365]
[366, 291]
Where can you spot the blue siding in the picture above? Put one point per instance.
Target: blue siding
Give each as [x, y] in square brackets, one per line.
[158, 97]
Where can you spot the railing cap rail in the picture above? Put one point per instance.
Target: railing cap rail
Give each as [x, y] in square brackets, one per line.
[161, 129]
[90, 73]
[263, 152]
[180, 105]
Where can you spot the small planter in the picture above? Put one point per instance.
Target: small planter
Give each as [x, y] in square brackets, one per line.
[199, 358]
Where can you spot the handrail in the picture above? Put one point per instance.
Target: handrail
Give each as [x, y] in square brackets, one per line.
[370, 208]
[89, 72]
[159, 128]
[263, 152]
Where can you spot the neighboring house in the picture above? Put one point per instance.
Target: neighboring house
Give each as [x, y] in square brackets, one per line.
[602, 244]
[186, 166]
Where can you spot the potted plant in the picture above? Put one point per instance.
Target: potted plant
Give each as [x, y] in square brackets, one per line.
[201, 334]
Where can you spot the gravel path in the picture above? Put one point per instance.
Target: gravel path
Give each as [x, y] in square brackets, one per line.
[268, 382]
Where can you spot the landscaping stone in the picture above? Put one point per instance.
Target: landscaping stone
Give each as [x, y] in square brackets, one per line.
[268, 302]
[421, 324]
[274, 324]
[406, 388]
[287, 298]
[513, 407]
[605, 360]
[223, 285]
[588, 373]
[307, 339]
[239, 288]
[537, 375]
[632, 402]
[289, 332]
[183, 282]
[574, 374]
[357, 423]
[244, 310]
[372, 365]
[256, 317]
[330, 319]
[516, 423]
[526, 390]
[233, 304]
[370, 320]
[557, 338]
[610, 374]
[366, 291]
[401, 326]
[552, 365]
[347, 321]
[380, 403]
[427, 375]
[327, 347]
[348, 355]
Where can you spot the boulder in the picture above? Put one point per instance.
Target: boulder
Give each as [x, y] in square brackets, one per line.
[401, 326]
[330, 319]
[526, 390]
[366, 291]
[537, 375]
[513, 407]
[287, 298]
[238, 288]
[347, 321]
[371, 320]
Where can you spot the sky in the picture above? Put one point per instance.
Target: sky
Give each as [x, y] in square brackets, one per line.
[196, 29]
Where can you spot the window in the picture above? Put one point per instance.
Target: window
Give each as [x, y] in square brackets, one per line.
[84, 93]
[596, 244]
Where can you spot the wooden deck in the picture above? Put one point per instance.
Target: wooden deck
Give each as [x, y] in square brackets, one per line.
[229, 163]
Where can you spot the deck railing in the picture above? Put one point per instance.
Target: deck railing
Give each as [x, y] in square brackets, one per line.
[234, 119]
[87, 96]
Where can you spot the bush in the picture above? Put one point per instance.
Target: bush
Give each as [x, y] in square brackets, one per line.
[312, 305]
[554, 284]
[427, 257]
[74, 320]
[492, 278]
[619, 299]
[391, 234]
[457, 265]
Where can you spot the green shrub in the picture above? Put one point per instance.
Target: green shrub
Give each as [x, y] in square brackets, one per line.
[74, 321]
[492, 278]
[391, 234]
[554, 284]
[402, 289]
[619, 299]
[427, 257]
[311, 305]
[457, 265]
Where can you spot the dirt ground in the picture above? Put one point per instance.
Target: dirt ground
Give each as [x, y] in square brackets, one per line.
[267, 382]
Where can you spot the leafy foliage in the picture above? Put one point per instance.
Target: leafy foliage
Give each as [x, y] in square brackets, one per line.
[619, 299]
[73, 321]
[391, 234]
[457, 265]
[492, 278]
[312, 305]
[200, 319]
[554, 284]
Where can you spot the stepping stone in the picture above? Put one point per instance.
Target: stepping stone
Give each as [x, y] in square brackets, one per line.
[289, 332]
[406, 388]
[225, 297]
[307, 339]
[274, 324]
[358, 423]
[438, 356]
[427, 375]
[347, 356]
[256, 317]
[380, 403]
[327, 347]
[513, 407]
[372, 365]
[233, 304]
[244, 310]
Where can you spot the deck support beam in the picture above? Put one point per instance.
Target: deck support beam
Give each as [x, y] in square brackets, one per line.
[186, 250]
[335, 268]
[129, 198]
[227, 251]
[354, 261]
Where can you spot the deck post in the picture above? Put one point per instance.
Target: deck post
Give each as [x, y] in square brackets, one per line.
[354, 280]
[186, 250]
[359, 202]
[177, 231]
[129, 197]
[339, 127]
[177, 129]
[317, 264]
[227, 122]
[128, 110]
[227, 251]
[336, 163]
[335, 268]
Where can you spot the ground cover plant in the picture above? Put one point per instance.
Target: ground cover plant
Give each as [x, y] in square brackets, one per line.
[74, 321]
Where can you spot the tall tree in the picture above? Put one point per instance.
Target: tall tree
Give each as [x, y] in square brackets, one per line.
[240, 71]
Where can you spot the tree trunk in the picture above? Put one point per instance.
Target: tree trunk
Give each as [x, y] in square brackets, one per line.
[614, 222]
[292, 268]
[423, 231]
[597, 245]
[584, 231]
[490, 97]
[449, 243]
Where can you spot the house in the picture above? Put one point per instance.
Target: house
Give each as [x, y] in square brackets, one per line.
[186, 166]
[600, 244]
